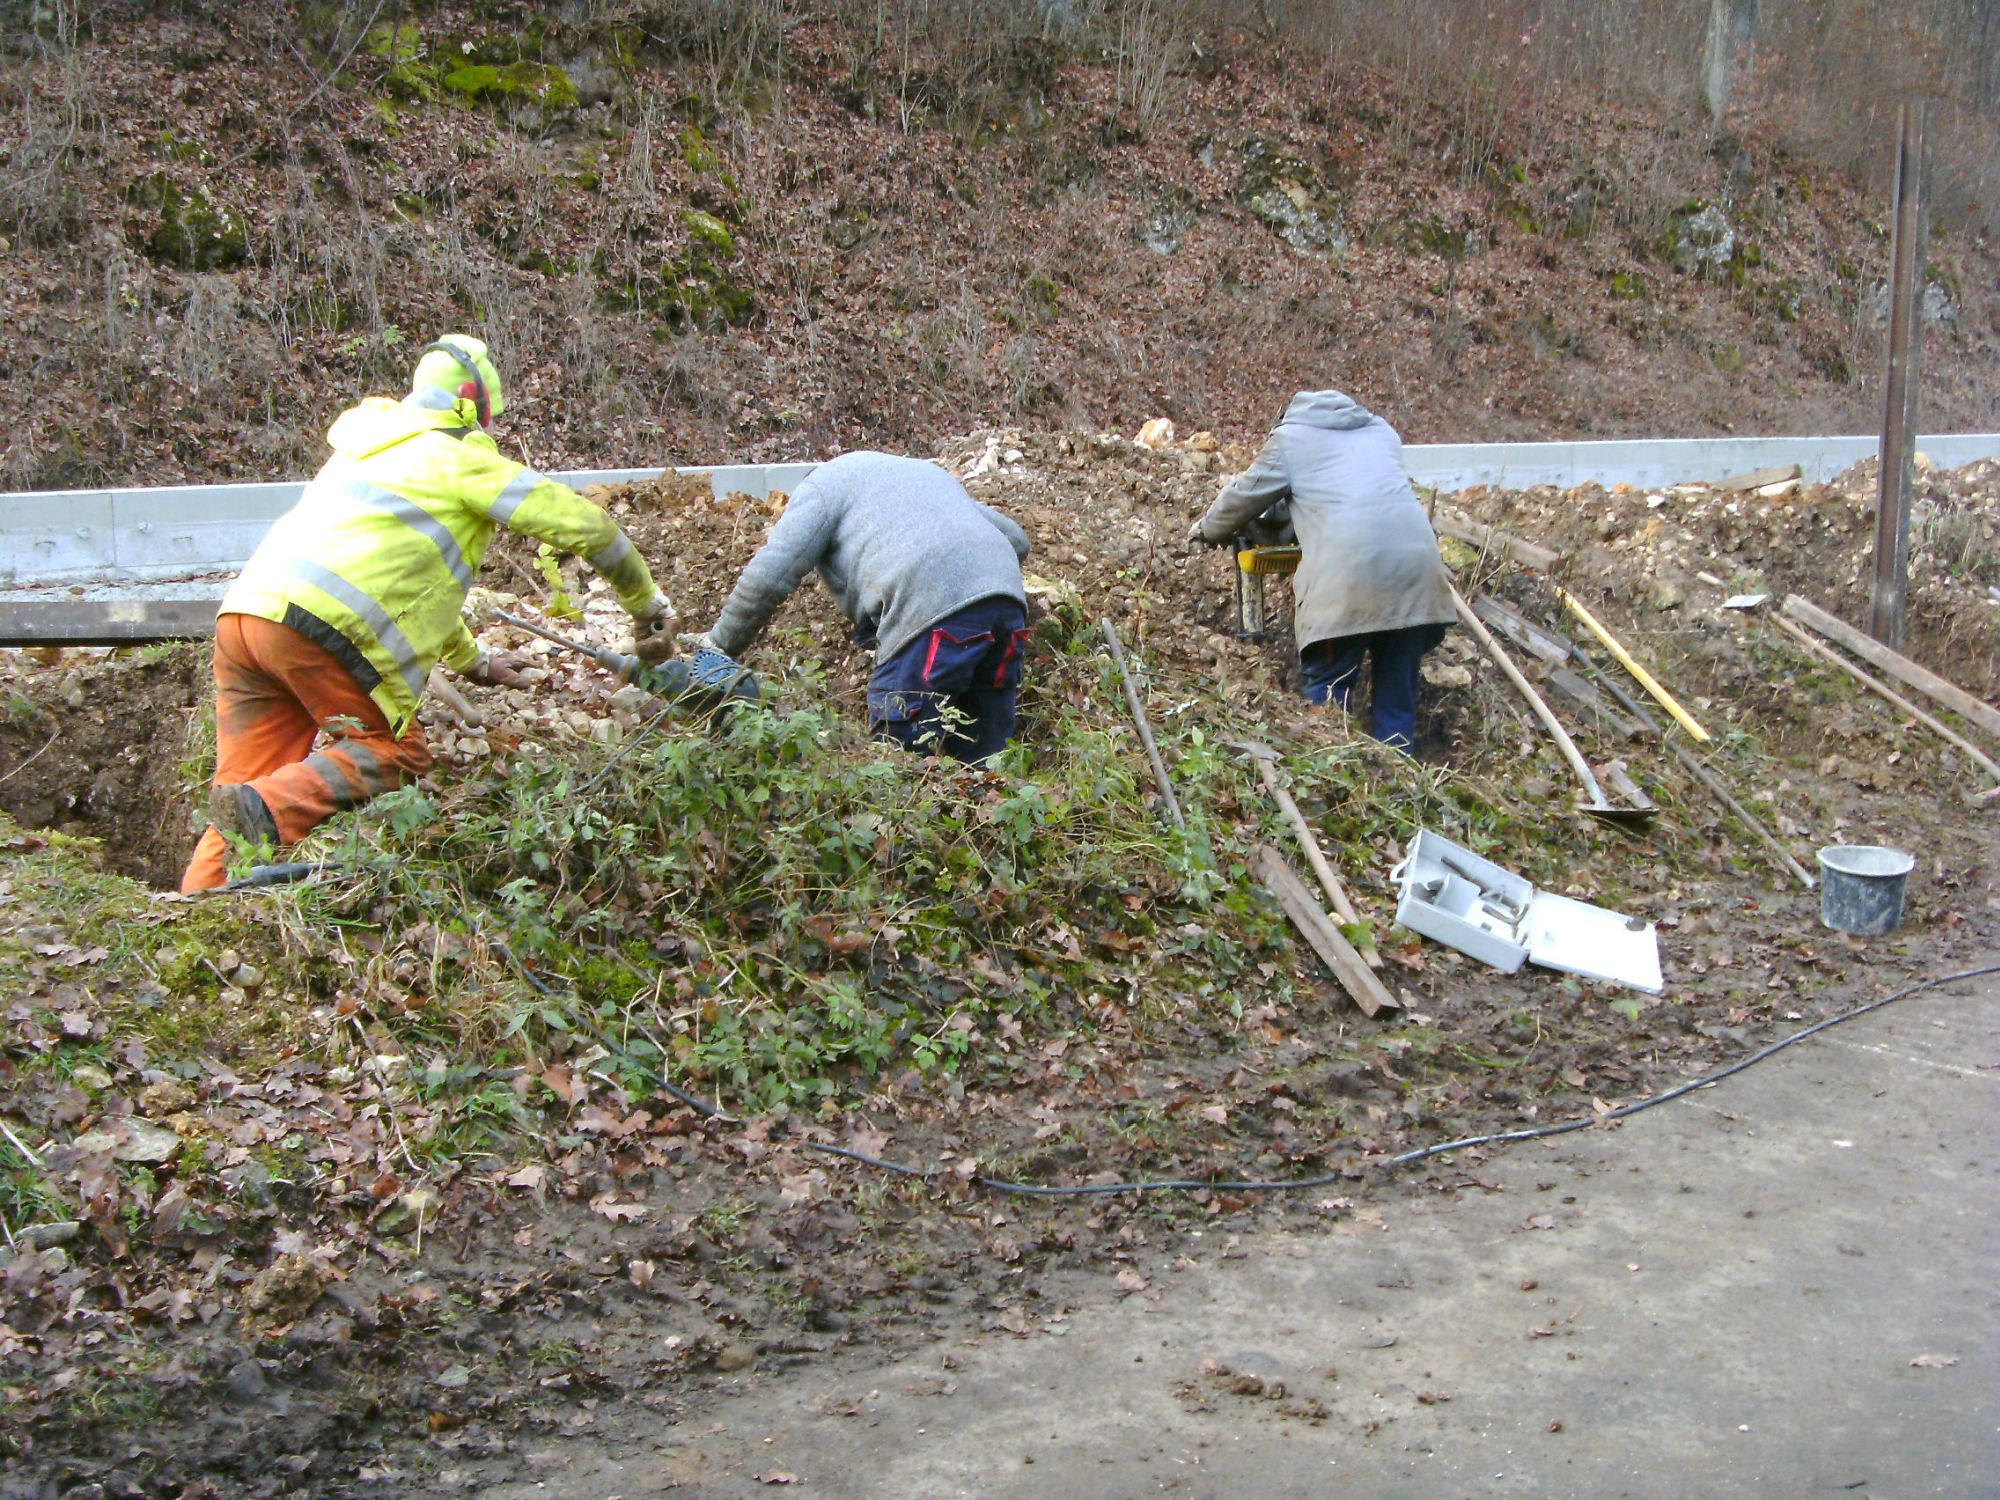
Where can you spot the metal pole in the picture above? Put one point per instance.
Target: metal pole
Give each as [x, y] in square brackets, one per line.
[1888, 603]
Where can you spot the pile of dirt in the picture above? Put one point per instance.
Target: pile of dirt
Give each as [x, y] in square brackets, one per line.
[1662, 552]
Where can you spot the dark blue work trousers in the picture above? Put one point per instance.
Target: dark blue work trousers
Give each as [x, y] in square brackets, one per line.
[1395, 657]
[953, 688]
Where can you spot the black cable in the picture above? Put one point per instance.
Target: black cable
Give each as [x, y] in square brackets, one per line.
[1289, 1184]
[1624, 1111]
[1326, 1179]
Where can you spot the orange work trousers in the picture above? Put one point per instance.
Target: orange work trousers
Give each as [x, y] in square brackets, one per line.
[275, 693]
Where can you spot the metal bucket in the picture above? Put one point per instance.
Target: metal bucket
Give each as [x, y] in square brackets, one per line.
[1861, 887]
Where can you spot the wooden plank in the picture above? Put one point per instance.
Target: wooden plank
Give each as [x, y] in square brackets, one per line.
[1519, 629]
[1326, 939]
[1876, 685]
[1756, 479]
[1624, 699]
[1550, 722]
[1897, 665]
[1526, 553]
[1329, 882]
[104, 622]
[1585, 694]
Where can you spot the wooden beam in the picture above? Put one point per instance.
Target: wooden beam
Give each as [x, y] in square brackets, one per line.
[1519, 629]
[1756, 479]
[1326, 939]
[1584, 694]
[104, 622]
[1897, 665]
[1526, 553]
[1889, 597]
[1832, 657]
[1329, 882]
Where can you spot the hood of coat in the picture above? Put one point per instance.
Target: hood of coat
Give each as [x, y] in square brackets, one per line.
[378, 423]
[1331, 409]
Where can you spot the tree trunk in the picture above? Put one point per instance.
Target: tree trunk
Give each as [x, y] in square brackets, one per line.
[1732, 43]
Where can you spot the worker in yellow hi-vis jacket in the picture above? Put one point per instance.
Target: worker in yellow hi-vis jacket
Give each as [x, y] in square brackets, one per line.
[336, 621]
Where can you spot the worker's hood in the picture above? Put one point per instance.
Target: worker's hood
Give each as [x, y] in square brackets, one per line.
[1328, 409]
[379, 423]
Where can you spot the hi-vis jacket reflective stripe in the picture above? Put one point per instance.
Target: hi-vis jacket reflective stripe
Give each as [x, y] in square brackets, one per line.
[383, 544]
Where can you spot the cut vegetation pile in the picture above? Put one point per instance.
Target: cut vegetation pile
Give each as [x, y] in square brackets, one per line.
[406, 1136]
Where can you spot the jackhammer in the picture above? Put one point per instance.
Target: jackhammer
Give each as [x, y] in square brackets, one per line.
[1265, 548]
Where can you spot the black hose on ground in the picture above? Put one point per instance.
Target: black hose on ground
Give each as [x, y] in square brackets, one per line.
[1407, 1158]
[1289, 1184]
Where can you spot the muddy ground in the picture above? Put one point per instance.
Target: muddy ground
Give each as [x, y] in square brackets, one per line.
[354, 1317]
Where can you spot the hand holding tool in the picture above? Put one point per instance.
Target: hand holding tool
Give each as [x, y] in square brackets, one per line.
[707, 675]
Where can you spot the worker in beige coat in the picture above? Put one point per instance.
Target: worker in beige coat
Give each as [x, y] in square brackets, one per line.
[1370, 586]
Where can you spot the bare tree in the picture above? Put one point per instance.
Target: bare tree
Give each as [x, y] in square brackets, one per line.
[1731, 47]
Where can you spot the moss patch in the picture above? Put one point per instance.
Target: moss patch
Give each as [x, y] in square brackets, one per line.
[541, 85]
[186, 228]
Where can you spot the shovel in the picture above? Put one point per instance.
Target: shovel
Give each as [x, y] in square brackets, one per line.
[1595, 802]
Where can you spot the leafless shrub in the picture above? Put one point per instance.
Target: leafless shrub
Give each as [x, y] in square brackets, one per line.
[213, 344]
[961, 62]
[1834, 73]
[736, 43]
[54, 126]
[1827, 78]
[952, 342]
[1154, 39]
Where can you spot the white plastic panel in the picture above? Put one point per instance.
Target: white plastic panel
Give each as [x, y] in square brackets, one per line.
[1578, 938]
[1450, 894]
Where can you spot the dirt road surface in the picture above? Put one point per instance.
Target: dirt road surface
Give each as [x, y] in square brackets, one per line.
[1782, 1285]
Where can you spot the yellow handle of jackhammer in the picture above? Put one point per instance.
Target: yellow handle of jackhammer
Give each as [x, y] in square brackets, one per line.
[1268, 560]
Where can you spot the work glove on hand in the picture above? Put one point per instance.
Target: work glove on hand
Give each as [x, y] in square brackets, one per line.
[1198, 538]
[653, 632]
[499, 668]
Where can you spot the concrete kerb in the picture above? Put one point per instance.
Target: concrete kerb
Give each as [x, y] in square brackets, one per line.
[125, 537]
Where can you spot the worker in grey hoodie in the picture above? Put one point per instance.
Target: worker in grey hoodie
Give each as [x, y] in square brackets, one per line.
[926, 575]
[1370, 585]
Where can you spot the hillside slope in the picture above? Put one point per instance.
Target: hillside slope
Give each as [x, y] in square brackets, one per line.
[222, 222]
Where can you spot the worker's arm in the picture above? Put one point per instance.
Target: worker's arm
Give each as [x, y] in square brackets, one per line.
[1010, 529]
[465, 656]
[1248, 495]
[534, 505]
[795, 547]
[461, 652]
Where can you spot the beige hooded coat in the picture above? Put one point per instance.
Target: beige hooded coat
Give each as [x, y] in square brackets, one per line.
[1369, 559]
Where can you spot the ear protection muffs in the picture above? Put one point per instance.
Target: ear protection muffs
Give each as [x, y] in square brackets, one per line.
[480, 401]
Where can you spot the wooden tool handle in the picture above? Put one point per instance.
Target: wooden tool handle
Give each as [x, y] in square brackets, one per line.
[1564, 743]
[1660, 695]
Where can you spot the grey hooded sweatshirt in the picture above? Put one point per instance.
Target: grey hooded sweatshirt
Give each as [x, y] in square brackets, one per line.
[898, 543]
[1369, 559]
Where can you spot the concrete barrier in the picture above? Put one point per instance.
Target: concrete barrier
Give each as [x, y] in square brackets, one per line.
[140, 535]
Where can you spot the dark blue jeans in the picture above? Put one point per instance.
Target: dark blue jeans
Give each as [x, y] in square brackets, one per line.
[953, 687]
[1396, 657]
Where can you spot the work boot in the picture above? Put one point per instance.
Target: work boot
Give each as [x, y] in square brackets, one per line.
[237, 810]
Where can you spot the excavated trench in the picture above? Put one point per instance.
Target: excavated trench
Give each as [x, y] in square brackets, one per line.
[111, 748]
